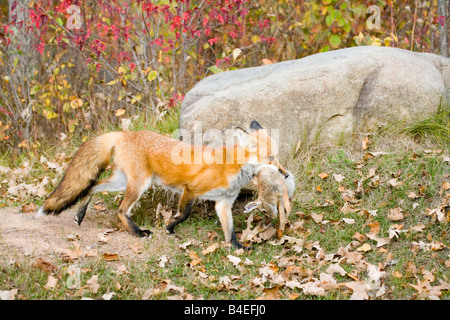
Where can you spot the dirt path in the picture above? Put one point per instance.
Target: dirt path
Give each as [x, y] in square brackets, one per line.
[51, 236]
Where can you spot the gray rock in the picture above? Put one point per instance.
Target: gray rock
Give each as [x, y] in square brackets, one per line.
[321, 97]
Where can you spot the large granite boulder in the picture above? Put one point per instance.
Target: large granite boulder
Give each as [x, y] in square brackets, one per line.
[321, 97]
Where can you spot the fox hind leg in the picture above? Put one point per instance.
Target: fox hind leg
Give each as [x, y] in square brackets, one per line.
[133, 192]
[116, 182]
[82, 210]
[185, 205]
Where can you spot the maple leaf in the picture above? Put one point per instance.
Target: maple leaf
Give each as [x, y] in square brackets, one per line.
[234, 260]
[359, 290]
[426, 290]
[210, 249]
[338, 177]
[73, 254]
[380, 241]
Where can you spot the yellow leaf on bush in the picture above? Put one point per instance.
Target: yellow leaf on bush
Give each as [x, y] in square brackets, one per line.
[255, 39]
[120, 112]
[112, 82]
[76, 103]
[49, 114]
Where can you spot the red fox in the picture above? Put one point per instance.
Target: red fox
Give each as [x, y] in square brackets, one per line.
[142, 158]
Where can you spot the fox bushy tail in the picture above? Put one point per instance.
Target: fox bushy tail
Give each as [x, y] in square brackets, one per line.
[88, 163]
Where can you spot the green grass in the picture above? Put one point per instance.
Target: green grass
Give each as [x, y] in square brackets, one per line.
[414, 157]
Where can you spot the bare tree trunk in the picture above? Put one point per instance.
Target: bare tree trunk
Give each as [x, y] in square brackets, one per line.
[22, 64]
[443, 29]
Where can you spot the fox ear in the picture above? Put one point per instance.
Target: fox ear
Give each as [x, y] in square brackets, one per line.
[255, 125]
[243, 136]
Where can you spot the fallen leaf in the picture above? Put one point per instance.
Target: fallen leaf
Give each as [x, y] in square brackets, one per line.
[364, 248]
[395, 214]
[380, 241]
[210, 249]
[359, 289]
[108, 296]
[365, 143]
[44, 266]
[73, 254]
[166, 214]
[348, 208]
[92, 284]
[397, 274]
[436, 246]
[445, 185]
[317, 217]
[394, 183]
[270, 294]
[234, 260]
[348, 221]
[136, 247]
[8, 294]
[336, 268]
[426, 290]
[358, 236]
[121, 269]
[319, 188]
[418, 227]
[412, 195]
[51, 283]
[338, 177]
[195, 259]
[312, 288]
[323, 175]
[162, 261]
[29, 208]
[374, 227]
[110, 256]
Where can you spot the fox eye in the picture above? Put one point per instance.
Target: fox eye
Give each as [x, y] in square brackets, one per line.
[270, 158]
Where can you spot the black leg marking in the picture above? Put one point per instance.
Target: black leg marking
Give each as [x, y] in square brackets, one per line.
[82, 211]
[238, 245]
[136, 230]
[184, 216]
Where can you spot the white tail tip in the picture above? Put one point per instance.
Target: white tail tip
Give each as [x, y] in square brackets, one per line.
[40, 212]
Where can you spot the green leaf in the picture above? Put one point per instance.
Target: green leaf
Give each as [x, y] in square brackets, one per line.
[60, 22]
[215, 69]
[329, 20]
[35, 89]
[152, 75]
[335, 41]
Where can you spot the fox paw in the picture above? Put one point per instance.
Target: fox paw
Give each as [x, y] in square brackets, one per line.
[145, 234]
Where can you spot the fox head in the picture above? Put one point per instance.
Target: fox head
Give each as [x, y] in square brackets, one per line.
[261, 147]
